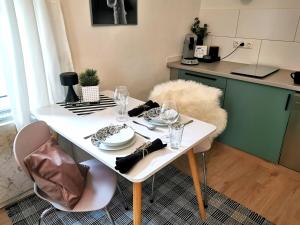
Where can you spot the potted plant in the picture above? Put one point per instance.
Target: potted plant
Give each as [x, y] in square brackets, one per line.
[201, 32]
[89, 85]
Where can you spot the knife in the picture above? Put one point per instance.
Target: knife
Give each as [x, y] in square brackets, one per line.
[87, 137]
[142, 135]
[188, 122]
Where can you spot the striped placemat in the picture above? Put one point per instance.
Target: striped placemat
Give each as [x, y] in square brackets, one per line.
[84, 108]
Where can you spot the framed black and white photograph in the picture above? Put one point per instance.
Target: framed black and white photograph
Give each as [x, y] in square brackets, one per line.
[113, 12]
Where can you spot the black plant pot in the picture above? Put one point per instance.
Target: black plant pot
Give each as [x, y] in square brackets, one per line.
[199, 40]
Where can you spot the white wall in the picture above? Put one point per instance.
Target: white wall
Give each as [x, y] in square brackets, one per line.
[130, 55]
[272, 25]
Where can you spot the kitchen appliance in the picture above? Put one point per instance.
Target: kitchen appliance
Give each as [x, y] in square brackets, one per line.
[255, 70]
[214, 52]
[296, 77]
[188, 51]
[290, 154]
[213, 55]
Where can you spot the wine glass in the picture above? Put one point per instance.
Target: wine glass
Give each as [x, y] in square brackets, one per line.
[169, 113]
[121, 95]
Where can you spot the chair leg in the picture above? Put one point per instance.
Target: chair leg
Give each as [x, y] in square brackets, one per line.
[123, 197]
[152, 189]
[204, 170]
[45, 213]
[109, 216]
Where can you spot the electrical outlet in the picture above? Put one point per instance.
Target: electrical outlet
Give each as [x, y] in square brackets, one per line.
[247, 44]
[236, 43]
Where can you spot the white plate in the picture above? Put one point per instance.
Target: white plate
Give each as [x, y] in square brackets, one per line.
[114, 148]
[122, 137]
[152, 116]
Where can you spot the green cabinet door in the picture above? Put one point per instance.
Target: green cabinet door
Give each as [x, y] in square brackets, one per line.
[209, 80]
[257, 118]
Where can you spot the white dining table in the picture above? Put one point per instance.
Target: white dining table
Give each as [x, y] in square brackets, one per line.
[74, 128]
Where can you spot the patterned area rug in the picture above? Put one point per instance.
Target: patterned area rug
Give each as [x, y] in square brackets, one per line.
[175, 203]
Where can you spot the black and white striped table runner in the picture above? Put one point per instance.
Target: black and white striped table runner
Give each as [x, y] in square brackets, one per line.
[83, 108]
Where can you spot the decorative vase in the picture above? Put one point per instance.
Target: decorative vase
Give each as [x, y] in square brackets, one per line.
[90, 93]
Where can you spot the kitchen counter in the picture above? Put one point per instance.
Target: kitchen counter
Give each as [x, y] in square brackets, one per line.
[258, 109]
[279, 79]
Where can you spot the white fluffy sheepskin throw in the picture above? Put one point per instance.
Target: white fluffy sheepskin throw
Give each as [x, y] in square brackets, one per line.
[194, 99]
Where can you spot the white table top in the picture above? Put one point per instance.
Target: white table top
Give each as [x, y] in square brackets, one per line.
[74, 128]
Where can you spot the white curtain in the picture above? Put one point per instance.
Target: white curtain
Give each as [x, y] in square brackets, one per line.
[34, 50]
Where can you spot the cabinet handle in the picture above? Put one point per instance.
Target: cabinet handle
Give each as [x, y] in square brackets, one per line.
[287, 102]
[201, 76]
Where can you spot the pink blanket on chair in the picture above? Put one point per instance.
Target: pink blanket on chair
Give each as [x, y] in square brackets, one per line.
[57, 174]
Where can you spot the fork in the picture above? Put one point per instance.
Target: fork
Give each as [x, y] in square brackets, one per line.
[150, 127]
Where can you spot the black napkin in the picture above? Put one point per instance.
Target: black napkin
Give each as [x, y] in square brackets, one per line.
[145, 107]
[124, 164]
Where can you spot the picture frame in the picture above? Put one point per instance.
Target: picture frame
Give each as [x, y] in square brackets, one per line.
[113, 12]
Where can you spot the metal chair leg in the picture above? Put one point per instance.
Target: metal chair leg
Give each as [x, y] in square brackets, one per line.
[204, 170]
[109, 216]
[152, 189]
[123, 197]
[45, 213]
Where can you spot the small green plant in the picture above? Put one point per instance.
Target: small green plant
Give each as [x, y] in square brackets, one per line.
[201, 32]
[88, 78]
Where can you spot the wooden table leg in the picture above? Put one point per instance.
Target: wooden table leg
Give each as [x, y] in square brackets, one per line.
[137, 203]
[194, 171]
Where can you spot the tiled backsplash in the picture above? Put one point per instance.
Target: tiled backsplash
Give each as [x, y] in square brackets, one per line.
[250, 4]
[272, 26]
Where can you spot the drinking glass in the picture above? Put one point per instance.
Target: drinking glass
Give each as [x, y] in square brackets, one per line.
[121, 95]
[169, 113]
[176, 130]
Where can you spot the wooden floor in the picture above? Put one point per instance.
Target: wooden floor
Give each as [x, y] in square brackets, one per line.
[4, 220]
[270, 190]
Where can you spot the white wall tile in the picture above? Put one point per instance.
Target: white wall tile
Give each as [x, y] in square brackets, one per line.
[279, 53]
[247, 4]
[242, 55]
[271, 24]
[208, 39]
[220, 22]
[297, 38]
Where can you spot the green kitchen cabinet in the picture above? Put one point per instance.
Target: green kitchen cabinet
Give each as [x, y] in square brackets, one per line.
[210, 80]
[257, 118]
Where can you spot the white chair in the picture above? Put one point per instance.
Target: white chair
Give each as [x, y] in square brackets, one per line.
[101, 181]
[198, 101]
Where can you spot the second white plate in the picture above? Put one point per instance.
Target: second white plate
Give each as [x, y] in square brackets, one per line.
[120, 138]
[114, 148]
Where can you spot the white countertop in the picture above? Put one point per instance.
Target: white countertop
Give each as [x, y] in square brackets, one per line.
[280, 79]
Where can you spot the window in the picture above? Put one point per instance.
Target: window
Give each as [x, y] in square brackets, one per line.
[5, 113]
